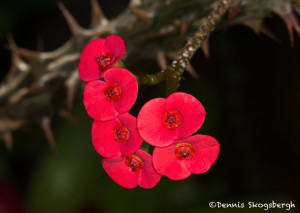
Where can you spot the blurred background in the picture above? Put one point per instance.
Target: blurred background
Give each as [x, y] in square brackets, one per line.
[249, 87]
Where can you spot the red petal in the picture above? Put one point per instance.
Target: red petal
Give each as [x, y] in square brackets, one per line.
[103, 138]
[206, 152]
[115, 45]
[88, 68]
[166, 163]
[150, 126]
[116, 168]
[129, 87]
[149, 177]
[135, 141]
[191, 110]
[96, 103]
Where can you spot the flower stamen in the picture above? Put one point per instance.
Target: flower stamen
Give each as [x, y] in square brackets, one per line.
[121, 133]
[134, 162]
[104, 61]
[184, 151]
[171, 119]
[112, 92]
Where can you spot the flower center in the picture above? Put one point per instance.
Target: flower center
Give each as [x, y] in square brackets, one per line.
[184, 151]
[112, 92]
[121, 133]
[104, 61]
[171, 119]
[134, 162]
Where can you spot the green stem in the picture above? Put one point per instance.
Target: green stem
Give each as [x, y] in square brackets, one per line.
[145, 147]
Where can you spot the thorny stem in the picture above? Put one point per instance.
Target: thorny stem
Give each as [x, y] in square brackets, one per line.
[175, 70]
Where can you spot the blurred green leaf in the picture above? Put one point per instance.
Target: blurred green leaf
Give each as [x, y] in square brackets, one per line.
[64, 180]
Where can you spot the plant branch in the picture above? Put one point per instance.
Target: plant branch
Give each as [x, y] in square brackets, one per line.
[175, 70]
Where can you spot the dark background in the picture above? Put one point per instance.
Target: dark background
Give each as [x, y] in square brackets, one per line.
[249, 88]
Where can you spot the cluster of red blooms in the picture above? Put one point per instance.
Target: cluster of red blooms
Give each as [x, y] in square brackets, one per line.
[166, 124]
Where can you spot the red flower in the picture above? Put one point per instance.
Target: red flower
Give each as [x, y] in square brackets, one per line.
[105, 100]
[194, 154]
[132, 170]
[117, 136]
[99, 55]
[162, 121]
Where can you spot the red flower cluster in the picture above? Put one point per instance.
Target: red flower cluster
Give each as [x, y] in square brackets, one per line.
[114, 131]
[168, 124]
[164, 123]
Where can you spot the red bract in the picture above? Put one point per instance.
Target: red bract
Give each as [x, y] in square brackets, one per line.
[105, 100]
[117, 136]
[132, 170]
[162, 121]
[194, 154]
[99, 55]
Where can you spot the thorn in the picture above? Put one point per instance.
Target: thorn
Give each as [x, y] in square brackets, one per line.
[289, 27]
[173, 54]
[185, 23]
[97, 13]
[268, 33]
[72, 85]
[135, 3]
[16, 59]
[8, 140]
[17, 96]
[75, 28]
[161, 60]
[30, 55]
[11, 41]
[205, 48]
[295, 22]
[73, 118]
[297, 7]
[234, 12]
[59, 51]
[40, 43]
[48, 132]
[142, 14]
[61, 61]
[192, 72]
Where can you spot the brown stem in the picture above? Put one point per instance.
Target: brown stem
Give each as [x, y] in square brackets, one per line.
[175, 70]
